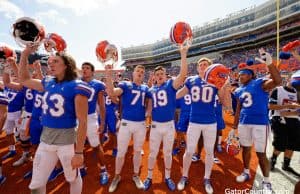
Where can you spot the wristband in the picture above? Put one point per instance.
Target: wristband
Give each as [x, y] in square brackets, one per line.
[79, 153]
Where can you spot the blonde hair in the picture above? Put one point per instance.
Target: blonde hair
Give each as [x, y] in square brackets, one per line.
[204, 59]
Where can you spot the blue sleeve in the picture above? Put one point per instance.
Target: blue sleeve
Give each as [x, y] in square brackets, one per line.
[43, 82]
[236, 93]
[101, 87]
[148, 93]
[83, 89]
[170, 84]
[178, 103]
[260, 81]
[123, 86]
[187, 83]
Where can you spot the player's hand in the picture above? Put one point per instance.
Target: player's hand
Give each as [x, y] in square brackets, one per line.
[77, 161]
[184, 49]
[295, 52]
[30, 49]
[265, 57]
[11, 61]
[37, 64]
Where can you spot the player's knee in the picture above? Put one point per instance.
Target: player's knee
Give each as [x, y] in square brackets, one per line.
[94, 143]
[153, 153]
[121, 153]
[188, 154]
[9, 131]
[137, 152]
[167, 151]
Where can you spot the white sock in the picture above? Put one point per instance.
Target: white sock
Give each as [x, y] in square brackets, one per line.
[76, 185]
[151, 163]
[167, 173]
[266, 179]
[150, 173]
[220, 139]
[247, 171]
[11, 147]
[168, 164]
[25, 154]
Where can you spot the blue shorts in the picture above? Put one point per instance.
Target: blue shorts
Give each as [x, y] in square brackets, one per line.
[220, 121]
[183, 123]
[35, 130]
[110, 123]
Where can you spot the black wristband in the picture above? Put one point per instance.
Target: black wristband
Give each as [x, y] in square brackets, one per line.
[79, 153]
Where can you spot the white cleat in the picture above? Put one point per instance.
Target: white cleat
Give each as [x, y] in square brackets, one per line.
[114, 184]
[138, 182]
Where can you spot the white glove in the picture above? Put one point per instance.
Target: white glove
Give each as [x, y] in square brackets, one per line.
[265, 57]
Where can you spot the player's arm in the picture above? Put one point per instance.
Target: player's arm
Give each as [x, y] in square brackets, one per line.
[115, 100]
[3, 114]
[150, 80]
[38, 69]
[148, 102]
[24, 75]
[101, 104]
[110, 89]
[179, 80]
[289, 113]
[81, 108]
[6, 74]
[183, 91]
[237, 114]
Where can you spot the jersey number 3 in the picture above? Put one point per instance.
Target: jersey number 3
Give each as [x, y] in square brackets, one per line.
[247, 99]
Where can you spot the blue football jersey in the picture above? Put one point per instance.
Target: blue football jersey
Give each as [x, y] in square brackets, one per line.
[110, 107]
[29, 98]
[59, 102]
[163, 101]
[203, 97]
[37, 104]
[96, 87]
[15, 99]
[133, 101]
[3, 99]
[254, 101]
[184, 104]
